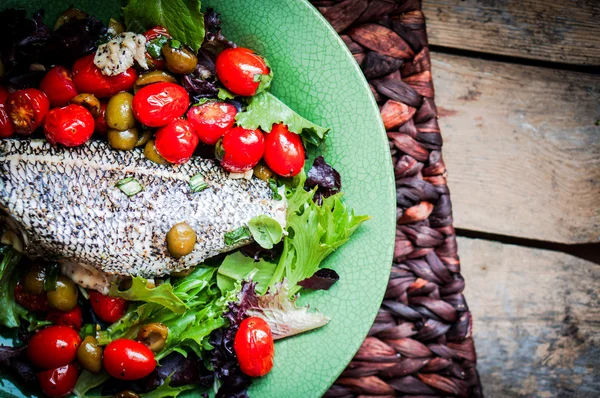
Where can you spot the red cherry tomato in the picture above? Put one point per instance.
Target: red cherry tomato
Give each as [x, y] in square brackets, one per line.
[31, 302]
[101, 128]
[240, 149]
[6, 127]
[239, 70]
[27, 109]
[128, 359]
[72, 319]
[71, 125]
[158, 104]
[211, 120]
[150, 35]
[254, 348]
[58, 86]
[53, 347]
[284, 152]
[155, 32]
[58, 382]
[177, 141]
[109, 309]
[89, 79]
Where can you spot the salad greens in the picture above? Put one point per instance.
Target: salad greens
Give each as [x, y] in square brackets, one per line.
[183, 18]
[139, 291]
[11, 313]
[266, 231]
[237, 267]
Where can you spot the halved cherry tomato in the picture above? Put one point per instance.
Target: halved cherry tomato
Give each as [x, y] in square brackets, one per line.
[101, 127]
[6, 127]
[53, 346]
[31, 302]
[158, 104]
[211, 120]
[240, 149]
[240, 70]
[254, 348]
[109, 309]
[284, 152]
[27, 109]
[177, 141]
[89, 79]
[58, 86]
[72, 319]
[127, 359]
[71, 125]
[155, 32]
[58, 382]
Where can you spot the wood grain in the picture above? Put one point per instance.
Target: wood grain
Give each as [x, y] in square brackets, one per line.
[522, 146]
[536, 320]
[563, 31]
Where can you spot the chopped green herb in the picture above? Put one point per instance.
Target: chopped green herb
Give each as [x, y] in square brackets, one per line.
[154, 47]
[274, 189]
[197, 183]
[237, 235]
[202, 101]
[225, 94]
[51, 277]
[130, 186]
[176, 44]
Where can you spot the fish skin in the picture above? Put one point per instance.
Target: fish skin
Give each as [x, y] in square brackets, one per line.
[66, 205]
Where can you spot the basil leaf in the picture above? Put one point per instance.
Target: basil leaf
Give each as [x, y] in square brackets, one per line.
[154, 47]
[237, 235]
[266, 231]
[182, 18]
[274, 189]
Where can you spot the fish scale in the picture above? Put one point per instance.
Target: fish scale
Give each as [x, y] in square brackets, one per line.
[66, 205]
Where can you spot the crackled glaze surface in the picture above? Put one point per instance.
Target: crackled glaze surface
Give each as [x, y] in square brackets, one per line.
[317, 76]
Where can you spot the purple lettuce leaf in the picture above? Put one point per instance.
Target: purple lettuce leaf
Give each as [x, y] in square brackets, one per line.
[323, 279]
[327, 180]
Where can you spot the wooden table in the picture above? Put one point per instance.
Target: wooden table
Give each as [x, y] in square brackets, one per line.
[518, 89]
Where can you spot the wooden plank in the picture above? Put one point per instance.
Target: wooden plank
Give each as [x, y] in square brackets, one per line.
[560, 31]
[522, 148]
[536, 320]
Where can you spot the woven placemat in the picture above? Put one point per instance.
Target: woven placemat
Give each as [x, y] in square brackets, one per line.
[420, 343]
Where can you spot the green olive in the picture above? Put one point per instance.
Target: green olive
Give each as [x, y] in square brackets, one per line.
[114, 27]
[88, 101]
[181, 239]
[34, 279]
[127, 394]
[154, 335]
[119, 114]
[156, 76]
[152, 154]
[263, 172]
[143, 138]
[124, 140]
[70, 14]
[179, 60]
[64, 298]
[89, 355]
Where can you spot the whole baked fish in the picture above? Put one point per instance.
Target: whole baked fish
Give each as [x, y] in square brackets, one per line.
[66, 205]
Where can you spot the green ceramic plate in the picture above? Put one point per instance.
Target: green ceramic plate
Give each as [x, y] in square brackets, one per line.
[317, 76]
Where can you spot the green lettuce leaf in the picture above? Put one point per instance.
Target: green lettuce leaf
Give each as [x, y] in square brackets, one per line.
[266, 231]
[236, 267]
[11, 313]
[88, 381]
[165, 390]
[314, 232]
[182, 18]
[162, 294]
[265, 109]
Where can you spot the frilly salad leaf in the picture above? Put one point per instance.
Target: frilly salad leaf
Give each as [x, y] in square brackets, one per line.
[11, 313]
[265, 109]
[88, 381]
[278, 308]
[165, 390]
[139, 291]
[182, 18]
[237, 267]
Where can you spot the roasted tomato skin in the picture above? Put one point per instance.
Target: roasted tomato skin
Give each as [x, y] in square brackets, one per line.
[176, 141]
[158, 104]
[58, 86]
[31, 302]
[254, 348]
[58, 382]
[109, 309]
[237, 69]
[211, 120]
[53, 346]
[151, 34]
[240, 149]
[100, 126]
[72, 319]
[71, 125]
[26, 109]
[88, 78]
[6, 127]
[284, 151]
[127, 359]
